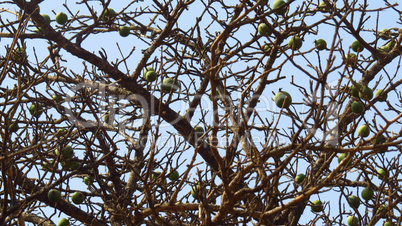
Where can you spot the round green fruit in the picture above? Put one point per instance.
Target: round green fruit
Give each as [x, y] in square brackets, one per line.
[174, 175]
[387, 223]
[168, 85]
[199, 131]
[124, 31]
[61, 18]
[300, 178]
[72, 165]
[195, 191]
[88, 180]
[317, 206]
[320, 44]
[366, 94]
[57, 98]
[155, 175]
[357, 46]
[36, 109]
[46, 17]
[283, 99]
[63, 222]
[382, 173]
[264, 30]
[384, 34]
[77, 197]
[19, 55]
[277, 4]
[382, 209]
[352, 221]
[68, 152]
[323, 6]
[367, 193]
[391, 44]
[355, 91]
[350, 59]
[108, 15]
[382, 97]
[151, 76]
[54, 195]
[354, 201]
[357, 107]
[363, 131]
[13, 127]
[380, 139]
[295, 43]
[342, 156]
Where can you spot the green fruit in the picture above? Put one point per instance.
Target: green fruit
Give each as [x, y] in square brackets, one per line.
[283, 99]
[61, 18]
[323, 6]
[13, 127]
[48, 165]
[350, 59]
[357, 46]
[199, 131]
[106, 118]
[54, 195]
[264, 30]
[19, 55]
[342, 156]
[151, 76]
[38, 30]
[155, 175]
[73, 165]
[391, 44]
[62, 131]
[57, 98]
[195, 191]
[357, 107]
[88, 180]
[167, 85]
[352, 221]
[46, 17]
[384, 34]
[277, 4]
[382, 173]
[368, 93]
[68, 152]
[354, 91]
[108, 15]
[124, 31]
[320, 44]
[367, 194]
[387, 223]
[382, 97]
[173, 175]
[382, 209]
[382, 50]
[354, 201]
[379, 140]
[363, 131]
[77, 197]
[63, 222]
[295, 43]
[300, 178]
[317, 206]
[36, 109]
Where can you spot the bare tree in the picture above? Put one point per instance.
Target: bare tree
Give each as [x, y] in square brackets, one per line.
[200, 113]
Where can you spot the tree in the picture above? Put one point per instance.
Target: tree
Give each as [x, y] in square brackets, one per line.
[110, 118]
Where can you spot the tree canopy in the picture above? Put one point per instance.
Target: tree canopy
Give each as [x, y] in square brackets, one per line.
[200, 112]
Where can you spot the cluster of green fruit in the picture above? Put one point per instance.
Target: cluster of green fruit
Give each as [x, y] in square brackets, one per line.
[109, 15]
[365, 93]
[174, 175]
[54, 196]
[168, 84]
